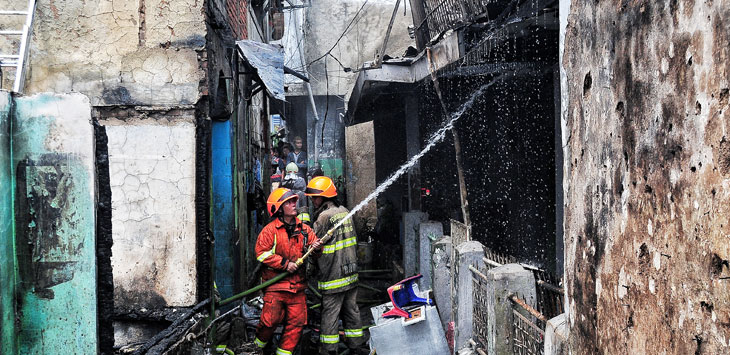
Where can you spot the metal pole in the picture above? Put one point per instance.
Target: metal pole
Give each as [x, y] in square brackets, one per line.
[418, 13]
[478, 273]
[550, 286]
[491, 262]
[379, 55]
[528, 308]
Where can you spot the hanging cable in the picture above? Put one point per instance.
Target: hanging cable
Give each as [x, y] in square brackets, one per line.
[347, 29]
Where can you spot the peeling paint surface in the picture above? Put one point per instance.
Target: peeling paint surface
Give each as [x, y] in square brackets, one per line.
[117, 52]
[7, 249]
[53, 161]
[647, 189]
[152, 177]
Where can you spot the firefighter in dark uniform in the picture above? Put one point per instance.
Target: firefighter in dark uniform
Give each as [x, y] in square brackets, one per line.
[337, 276]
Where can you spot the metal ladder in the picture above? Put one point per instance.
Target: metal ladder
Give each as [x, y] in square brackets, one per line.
[18, 60]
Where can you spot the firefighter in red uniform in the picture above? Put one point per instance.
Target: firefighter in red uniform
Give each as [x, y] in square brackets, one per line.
[278, 246]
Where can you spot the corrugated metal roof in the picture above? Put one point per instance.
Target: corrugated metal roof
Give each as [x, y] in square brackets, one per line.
[268, 61]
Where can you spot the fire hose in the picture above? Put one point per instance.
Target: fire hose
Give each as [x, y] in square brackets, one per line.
[276, 278]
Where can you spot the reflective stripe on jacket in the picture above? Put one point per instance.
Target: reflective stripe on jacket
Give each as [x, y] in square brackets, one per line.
[275, 249]
[337, 264]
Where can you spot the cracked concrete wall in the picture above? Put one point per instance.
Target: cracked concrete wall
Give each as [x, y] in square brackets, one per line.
[647, 176]
[323, 24]
[143, 53]
[152, 173]
[116, 51]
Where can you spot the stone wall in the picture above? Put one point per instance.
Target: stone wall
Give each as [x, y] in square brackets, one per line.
[647, 176]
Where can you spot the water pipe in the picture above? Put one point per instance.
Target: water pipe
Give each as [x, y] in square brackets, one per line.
[276, 278]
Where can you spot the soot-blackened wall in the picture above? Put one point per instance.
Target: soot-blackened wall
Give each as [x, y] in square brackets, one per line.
[647, 183]
[509, 159]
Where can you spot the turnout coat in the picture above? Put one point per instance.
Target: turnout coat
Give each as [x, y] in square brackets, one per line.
[337, 261]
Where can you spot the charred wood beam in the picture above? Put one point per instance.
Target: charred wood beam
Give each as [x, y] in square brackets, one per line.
[457, 150]
[528, 308]
[168, 314]
[531, 69]
[104, 241]
[175, 329]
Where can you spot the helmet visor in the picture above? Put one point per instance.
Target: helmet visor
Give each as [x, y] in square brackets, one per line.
[287, 195]
[312, 191]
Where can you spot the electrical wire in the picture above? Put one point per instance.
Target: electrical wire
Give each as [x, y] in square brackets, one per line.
[341, 35]
[345, 69]
[299, 38]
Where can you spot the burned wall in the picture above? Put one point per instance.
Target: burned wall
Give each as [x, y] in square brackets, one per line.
[508, 157]
[152, 178]
[647, 183]
[53, 166]
[118, 52]
[322, 25]
[7, 248]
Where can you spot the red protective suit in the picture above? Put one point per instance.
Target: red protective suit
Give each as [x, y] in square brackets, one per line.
[284, 301]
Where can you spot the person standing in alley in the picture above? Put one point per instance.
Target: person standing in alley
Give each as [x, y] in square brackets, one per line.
[299, 157]
[296, 183]
[284, 157]
[279, 245]
[337, 268]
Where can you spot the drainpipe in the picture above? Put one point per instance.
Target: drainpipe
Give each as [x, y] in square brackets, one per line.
[309, 88]
[306, 83]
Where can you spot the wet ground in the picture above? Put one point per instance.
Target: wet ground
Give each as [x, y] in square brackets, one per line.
[234, 327]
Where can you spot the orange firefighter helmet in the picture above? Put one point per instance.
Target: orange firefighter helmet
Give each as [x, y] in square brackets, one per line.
[321, 186]
[277, 198]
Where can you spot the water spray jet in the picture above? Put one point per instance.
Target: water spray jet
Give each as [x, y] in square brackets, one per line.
[435, 138]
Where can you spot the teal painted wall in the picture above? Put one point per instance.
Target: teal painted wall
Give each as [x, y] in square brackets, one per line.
[7, 254]
[53, 166]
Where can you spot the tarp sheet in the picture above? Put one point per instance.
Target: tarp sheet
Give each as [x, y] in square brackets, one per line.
[268, 61]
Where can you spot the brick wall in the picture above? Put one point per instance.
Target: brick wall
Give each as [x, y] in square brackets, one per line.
[237, 11]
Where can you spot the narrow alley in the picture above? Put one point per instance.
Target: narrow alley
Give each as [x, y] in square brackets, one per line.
[353, 177]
